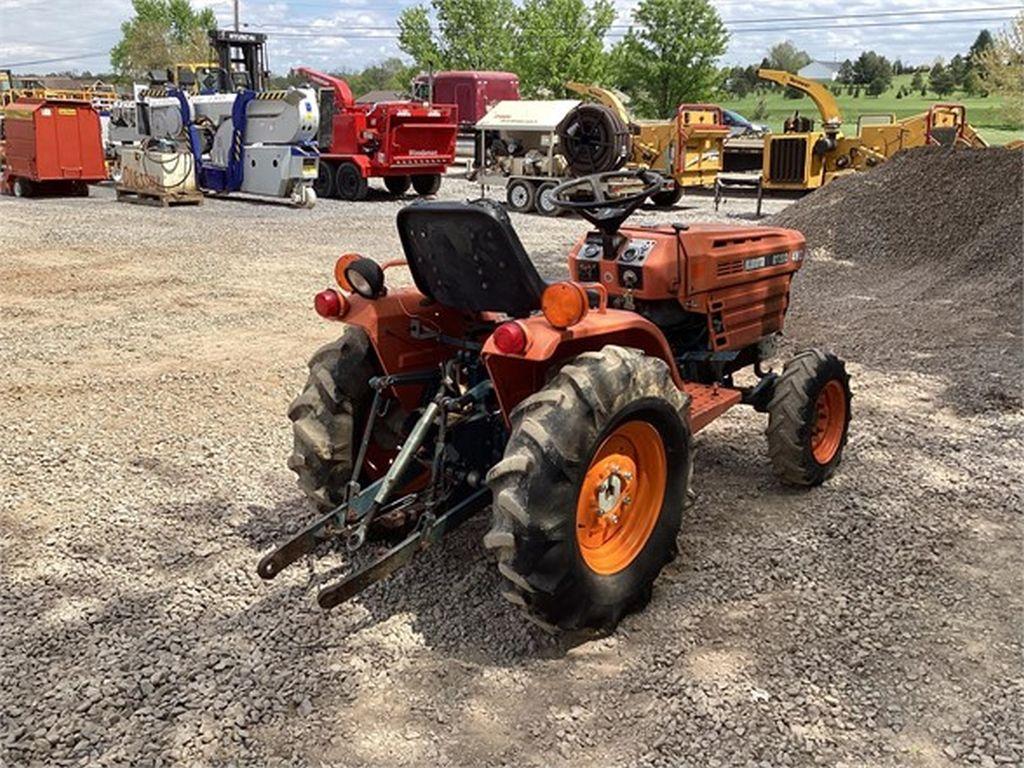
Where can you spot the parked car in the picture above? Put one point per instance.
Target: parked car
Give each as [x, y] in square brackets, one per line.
[740, 126]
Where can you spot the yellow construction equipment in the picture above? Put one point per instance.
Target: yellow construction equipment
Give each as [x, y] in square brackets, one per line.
[100, 95]
[687, 148]
[804, 158]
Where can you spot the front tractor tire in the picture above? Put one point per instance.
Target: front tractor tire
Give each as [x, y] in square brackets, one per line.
[588, 499]
[809, 418]
[328, 414]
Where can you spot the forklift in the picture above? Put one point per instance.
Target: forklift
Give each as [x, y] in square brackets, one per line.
[237, 61]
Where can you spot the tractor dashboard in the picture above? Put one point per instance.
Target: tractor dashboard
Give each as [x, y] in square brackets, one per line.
[643, 260]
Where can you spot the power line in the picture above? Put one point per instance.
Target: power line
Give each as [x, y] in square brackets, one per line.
[55, 60]
[389, 33]
[728, 22]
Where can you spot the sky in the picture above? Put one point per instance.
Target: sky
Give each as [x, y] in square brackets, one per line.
[351, 34]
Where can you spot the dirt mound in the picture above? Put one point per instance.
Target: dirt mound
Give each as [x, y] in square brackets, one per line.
[919, 262]
[943, 214]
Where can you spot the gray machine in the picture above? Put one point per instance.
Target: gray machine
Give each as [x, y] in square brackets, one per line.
[270, 153]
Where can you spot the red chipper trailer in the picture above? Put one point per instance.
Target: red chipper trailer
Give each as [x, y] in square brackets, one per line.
[407, 143]
[52, 146]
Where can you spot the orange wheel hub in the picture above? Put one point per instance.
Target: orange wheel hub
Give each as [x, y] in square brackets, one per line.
[621, 497]
[829, 422]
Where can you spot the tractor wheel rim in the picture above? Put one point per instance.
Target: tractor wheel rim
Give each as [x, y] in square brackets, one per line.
[620, 499]
[519, 197]
[829, 422]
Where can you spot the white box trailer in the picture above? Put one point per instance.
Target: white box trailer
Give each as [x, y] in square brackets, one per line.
[517, 147]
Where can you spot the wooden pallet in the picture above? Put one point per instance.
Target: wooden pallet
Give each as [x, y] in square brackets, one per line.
[156, 198]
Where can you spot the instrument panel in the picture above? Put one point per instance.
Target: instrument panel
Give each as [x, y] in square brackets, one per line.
[631, 255]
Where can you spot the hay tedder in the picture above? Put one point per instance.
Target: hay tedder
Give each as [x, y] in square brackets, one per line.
[568, 407]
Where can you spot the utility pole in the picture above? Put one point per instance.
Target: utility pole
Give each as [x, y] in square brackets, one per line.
[236, 14]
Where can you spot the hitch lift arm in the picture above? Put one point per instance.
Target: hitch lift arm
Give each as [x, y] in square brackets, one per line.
[366, 503]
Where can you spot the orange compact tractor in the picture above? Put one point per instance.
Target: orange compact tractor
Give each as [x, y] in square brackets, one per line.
[568, 407]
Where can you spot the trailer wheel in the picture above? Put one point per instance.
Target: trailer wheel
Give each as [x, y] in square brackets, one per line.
[667, 197]
[520, 196]
[397, 185]
[324, 184]
[809, 418]
[426, 183]
[81, 189]
[543, 202]
[349, 182]
[588, 498]
[21, 187]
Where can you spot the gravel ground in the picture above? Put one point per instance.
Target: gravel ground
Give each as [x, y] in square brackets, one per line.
[146, 360]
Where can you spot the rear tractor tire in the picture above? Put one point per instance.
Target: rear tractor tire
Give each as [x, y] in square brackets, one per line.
[328, 414]
[397, 185]
[426, 183]
[809, 418]
[349, 182]
[588, 499]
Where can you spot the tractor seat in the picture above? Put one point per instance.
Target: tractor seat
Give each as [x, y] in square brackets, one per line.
[467, 256]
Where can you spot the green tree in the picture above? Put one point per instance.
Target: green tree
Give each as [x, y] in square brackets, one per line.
[917, 82]
[940, 80]
[472, 34]
[739, 81]
[869, 67]
[846, 73]
[669, 55]
[392, 74]
[560, 40]
[877, 87]
[1002, 67]
[958, 70]
[787, 57]
[972, 84]
[161, 33]
[982, 43]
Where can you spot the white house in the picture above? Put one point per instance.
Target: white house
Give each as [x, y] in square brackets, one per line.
[821, 70]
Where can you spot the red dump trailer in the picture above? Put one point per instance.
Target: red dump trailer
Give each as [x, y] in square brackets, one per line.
[406, 143]
[51, 146]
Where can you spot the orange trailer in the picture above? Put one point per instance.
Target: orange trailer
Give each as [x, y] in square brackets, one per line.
[52, 146]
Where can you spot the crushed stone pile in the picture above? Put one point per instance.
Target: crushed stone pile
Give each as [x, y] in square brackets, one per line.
[918, 264]
[952, 218]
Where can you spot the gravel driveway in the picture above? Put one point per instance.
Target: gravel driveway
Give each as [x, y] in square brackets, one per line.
[146, 361]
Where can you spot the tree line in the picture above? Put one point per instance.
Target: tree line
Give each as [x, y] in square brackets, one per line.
[547, 42]
[668, 54]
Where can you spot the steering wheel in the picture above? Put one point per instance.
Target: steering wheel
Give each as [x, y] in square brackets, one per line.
[589, 195]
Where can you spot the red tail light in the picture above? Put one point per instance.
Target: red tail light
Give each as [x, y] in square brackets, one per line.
[510, 338]
[330, 304]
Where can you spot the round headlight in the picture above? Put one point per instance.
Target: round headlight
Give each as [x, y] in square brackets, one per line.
[366, 278]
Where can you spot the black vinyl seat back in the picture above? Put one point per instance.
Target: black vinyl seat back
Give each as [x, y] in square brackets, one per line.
[467, 256]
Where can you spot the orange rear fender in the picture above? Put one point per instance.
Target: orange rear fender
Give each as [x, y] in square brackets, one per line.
[388, 323]
[517, 376]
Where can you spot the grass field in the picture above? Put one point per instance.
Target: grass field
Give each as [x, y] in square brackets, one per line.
[985, 114]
